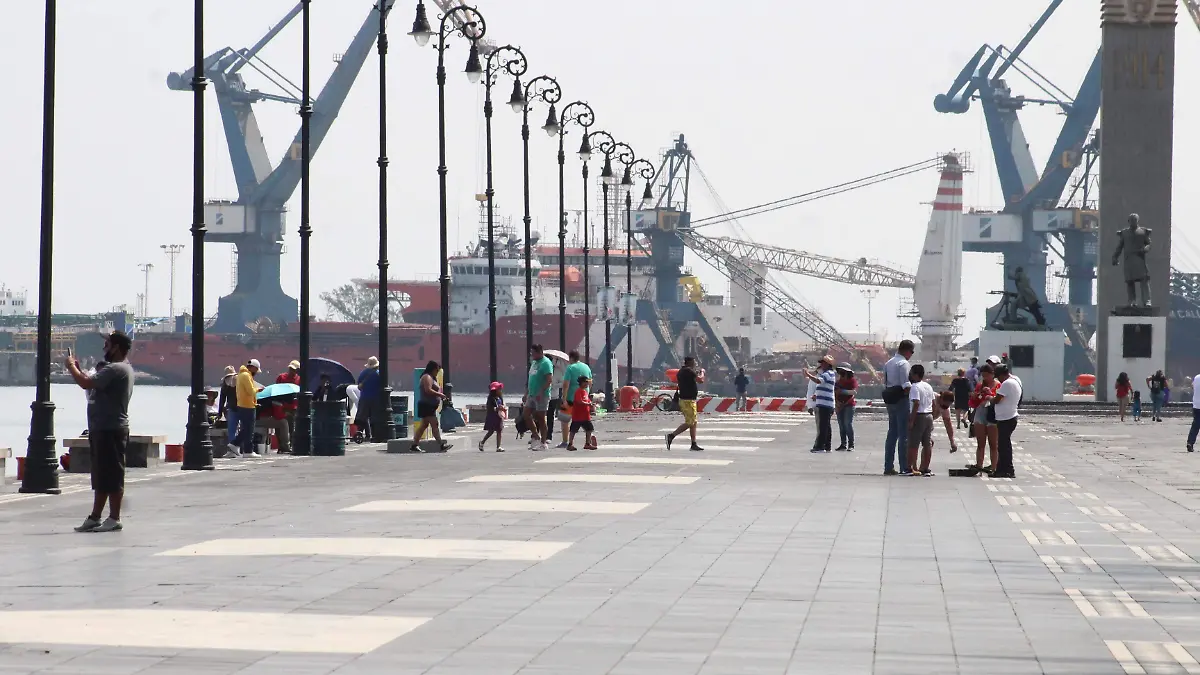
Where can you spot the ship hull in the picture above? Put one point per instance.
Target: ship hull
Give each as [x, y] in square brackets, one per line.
[168, 355]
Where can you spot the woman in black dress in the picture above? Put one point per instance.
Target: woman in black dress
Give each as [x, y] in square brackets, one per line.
[961, 387]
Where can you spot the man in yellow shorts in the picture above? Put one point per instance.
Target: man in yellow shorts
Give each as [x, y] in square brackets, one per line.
[688, 391]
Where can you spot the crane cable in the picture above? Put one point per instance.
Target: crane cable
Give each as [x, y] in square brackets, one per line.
[814, 195]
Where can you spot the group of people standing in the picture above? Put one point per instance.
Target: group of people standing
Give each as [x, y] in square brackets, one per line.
[1130, 399]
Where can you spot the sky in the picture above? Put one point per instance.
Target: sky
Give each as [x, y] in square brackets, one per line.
[775, 100]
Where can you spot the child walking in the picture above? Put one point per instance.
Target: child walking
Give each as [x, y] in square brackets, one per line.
[581, 416]
[497, 412]
[1137, 406]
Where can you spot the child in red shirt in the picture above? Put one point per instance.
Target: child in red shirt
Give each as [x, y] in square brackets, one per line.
[581, 415]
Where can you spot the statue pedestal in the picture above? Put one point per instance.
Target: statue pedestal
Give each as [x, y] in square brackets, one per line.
[1037, 358]
[1137, 346]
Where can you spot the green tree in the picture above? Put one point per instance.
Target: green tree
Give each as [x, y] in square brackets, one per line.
[357, 302]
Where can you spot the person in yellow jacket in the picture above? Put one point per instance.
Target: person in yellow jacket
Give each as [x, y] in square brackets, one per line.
[244, 412]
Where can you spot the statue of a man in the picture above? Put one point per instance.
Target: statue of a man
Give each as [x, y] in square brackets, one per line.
[1133, 243]
[1026, 298]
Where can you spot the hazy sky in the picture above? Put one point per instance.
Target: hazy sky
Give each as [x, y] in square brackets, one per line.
[775, 100]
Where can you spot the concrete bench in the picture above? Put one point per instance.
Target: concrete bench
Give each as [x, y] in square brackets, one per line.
[5, 455]
[141, 453]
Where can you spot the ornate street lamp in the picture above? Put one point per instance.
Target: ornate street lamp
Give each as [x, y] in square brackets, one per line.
[604, 144]
[302, 444]
[646, 170]
[607, 178]
[580, 113]
[545, 88]
[383, 427]
[511, 59]
[41, 464]
[197, 446]
[470, 25]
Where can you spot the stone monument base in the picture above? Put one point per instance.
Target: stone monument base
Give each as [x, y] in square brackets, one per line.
[1036, 356]
[1137, 346]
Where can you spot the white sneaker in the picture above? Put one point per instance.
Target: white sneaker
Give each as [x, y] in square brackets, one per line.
[499, 449]
[109, 525]
[253, 454]
[88, 525]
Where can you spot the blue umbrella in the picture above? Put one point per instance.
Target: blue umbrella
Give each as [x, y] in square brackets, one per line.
[278, 391]
[338, 374]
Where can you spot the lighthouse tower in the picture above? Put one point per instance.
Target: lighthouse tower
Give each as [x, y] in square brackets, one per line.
[938, 290]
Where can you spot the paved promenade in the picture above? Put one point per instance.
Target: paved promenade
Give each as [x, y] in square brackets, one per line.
[754, 557]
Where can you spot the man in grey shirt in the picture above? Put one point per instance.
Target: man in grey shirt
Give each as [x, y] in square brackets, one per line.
[108, 429]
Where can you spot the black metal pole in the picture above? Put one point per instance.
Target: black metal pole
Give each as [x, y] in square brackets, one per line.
[383, 428]
[562, 236]
[444, 244]
[197, 446]
[528, 239]
[608, 393]
[490, 193]
[41, 464]
[302, 443]
[587, 289]
[629, 284]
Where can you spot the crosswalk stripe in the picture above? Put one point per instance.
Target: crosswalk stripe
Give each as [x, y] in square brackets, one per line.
[375, 547]
[582, 478]
[707, 435]
[662, 446]
[511, 505]
[590, 459]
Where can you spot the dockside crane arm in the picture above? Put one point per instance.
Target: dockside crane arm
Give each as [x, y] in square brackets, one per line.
[859, 272]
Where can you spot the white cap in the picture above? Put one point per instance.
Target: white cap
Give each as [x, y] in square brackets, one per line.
[254, 363]
[994, 360]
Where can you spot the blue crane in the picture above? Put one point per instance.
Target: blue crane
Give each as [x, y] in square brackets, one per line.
[254, 223]
[1031, 197]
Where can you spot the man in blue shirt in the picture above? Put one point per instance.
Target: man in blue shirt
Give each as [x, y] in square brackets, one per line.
[825, 378]
[895, 395]
[369, 388]
[741, 382]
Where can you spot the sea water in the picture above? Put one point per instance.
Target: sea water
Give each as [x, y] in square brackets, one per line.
[153, 411]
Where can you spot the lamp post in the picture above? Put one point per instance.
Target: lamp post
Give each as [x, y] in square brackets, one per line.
[626, 157]
[582, 114]
[302, 443]
[383, 428]
[41, 464]
[646, 170]
[511, 59]
[197, 446]
[606, 179]
[585, 153]
[472, 27]
[545, 88]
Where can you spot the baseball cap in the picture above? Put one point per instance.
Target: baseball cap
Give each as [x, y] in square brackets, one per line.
[255, 363]
[994, 360]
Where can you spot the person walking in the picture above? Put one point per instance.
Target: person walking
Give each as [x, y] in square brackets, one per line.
[941, 410]
[689, 391]
[1005, 402]
[825, 378]
[245, 410]
[920, 423]
[972, 373]
[370, 387]
[961, 387]
[108, 429]
[428, 399]
[1124, 388]
[227, 402]
[576, 369]
[497, 412]
[895, 396]
[1191, 439]
[740, 383]
[983, 419]
[845, 390]
[1157, 384]
[291, 376]
[581, 415]
[537, 399]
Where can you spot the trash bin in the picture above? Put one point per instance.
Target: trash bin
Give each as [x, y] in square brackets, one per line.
[400, 415]
[330, 428]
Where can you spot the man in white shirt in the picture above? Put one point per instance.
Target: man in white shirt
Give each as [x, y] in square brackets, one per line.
[895, 395]
[1005, 402]
[920, 423]
[1195, 413]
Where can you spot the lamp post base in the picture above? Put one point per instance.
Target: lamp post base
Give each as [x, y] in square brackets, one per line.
[41, 463]
[197, 446]
[302, 441]
[383, 427]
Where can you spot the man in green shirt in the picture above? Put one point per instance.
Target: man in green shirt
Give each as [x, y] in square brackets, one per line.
[537, 396]
[575, 369]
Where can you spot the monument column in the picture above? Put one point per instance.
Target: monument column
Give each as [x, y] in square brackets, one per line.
[1136, 133]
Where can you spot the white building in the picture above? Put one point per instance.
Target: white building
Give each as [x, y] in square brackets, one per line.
[12, 303]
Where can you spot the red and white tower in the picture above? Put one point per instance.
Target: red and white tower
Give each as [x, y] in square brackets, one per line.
[938, 290]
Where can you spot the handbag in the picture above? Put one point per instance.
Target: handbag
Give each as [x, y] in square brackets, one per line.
[893, 395]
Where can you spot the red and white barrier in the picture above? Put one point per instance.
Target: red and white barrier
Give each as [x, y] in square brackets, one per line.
[723, 404]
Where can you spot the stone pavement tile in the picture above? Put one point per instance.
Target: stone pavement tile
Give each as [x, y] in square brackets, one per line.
[642, 662]
[722, 662]
[906, 663]
[831, 661]
[1012, 663]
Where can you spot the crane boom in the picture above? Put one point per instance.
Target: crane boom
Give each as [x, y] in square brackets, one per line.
[1193, 8]
[859, 273]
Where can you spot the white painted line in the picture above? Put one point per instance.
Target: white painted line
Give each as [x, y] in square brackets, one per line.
[582, 478]
[1085, 607]
[703, 436]
[1124, 657]
[1182, 657]
[1103, 435]
[1052, 564]
[1130, 604]
[723, 429]
[1126, 527]
[1014, 516]
[1184, 586]
[590, 459]
[1030, 537]
[1065, 538]
[663, 446]
[189, 629]
[1180, 554]
[1003, 500]
[1067, 484]
[376, 547]
[498, 505]
[1025, 517]
[1141, 553]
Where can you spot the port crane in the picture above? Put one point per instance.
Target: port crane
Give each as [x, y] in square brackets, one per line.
[1029, 194]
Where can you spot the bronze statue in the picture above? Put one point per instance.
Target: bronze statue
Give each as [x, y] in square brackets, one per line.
[1132, 247]
[1026, 298]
